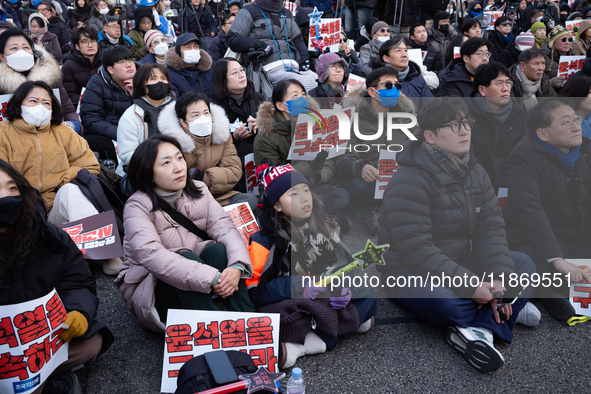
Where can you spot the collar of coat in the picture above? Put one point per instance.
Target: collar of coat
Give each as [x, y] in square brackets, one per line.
[266, 115]
[45, 69]
[358, 97]
[176, 62]
[168, 124]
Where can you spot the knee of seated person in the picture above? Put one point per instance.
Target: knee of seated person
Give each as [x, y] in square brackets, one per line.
[523, 263]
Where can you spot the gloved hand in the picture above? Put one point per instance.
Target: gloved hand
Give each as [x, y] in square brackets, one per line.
[77, 324]
[196, 174]
[311, 291]
[557, 82]
[268, 50]
[305, 65]
[319, 160]
[341, 302]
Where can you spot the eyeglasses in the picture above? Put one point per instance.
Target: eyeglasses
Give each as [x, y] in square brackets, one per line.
[115, 27]
[482, 54]
[508, 83]
[87, 42]
[455, 125]
[384, 30]
[125, 62]
[565, 39]
[337, 67]
[44, 10]
[236, 72]
[575, 121]
[389, 85]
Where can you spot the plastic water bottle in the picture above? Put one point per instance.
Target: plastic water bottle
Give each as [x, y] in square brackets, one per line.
[296, 384]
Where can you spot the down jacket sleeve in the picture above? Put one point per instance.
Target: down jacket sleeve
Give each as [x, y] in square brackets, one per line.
[79, 154]
[238, 36]
[93, 110]
[227, 173]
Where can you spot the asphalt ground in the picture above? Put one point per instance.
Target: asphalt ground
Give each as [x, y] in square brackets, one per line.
[391, 358]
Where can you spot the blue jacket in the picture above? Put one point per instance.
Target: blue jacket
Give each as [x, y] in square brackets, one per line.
[185, 79]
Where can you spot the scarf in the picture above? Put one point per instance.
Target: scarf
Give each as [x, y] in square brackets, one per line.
[403, 74]
[539, 41]
[170, 197]
[452, 165]
[238, 97]
[585, 125]
[498, 116]
[158, 61]
[530, 88]
[568, 159]
[113, 41]
[150, 115]
[507, 40]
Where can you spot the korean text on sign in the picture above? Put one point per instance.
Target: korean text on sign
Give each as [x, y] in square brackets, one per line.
[580, 293]
[329, 30]
[192, 333]
[387, 167]
[569, 65]
[243, 219]
[30, 343]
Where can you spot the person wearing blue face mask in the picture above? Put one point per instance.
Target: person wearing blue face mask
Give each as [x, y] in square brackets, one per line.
[276, 122]
[380, 95]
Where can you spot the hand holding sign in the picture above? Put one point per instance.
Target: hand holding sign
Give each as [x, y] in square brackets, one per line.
[76, 326]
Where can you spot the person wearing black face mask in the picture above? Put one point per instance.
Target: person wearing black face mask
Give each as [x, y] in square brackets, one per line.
[151, 93]
[35, 258]
[440, 34]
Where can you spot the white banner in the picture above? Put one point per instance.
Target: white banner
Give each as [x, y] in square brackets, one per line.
[387, 167]
[580, 293]
[243, 219]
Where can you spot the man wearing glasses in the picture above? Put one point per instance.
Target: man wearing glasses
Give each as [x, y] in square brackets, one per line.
[500, 121]
[442, 220]
[459, 74]
[548, 212]
[501, 37]
[111, 35]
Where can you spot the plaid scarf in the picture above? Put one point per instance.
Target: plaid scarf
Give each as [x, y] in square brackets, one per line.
[454, 166]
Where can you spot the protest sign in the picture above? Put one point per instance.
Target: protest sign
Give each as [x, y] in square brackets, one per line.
[502, 196]
[457, 52]
[354, 80]
[243, 219]
[80, 101]
[570, 26]
[252, 183]
[569, 65]
[5, 98]
[580, 293]
[416, 55]
[327, 33]
[96, 236]
[490, 18]
[30, 344]
[190, 333]
[387, 167]
[325, 135]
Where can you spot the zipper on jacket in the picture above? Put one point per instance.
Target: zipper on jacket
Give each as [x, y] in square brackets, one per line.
[41, 163]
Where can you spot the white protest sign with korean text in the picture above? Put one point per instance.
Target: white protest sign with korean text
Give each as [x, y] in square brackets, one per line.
[387, 167]
[570, 26]
[329, 31]
[325, 135]
[80, 100]
[243, 219]
[252, 183]
[191, 333]
[457, 52]
[30, 346]
[416, 55]
[580, 293]
[354, 80]
[490, 17]
[569, 65]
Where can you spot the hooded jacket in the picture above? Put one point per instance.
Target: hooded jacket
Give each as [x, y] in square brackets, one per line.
[97, 20]
[214, 154]
[184, 79]
[548, 207]
[77, 72]
[48, 156]
[152, 244]
[456, 82]
[45, 69]
[435, 224]
[48, 39]
[78, 14]
[580, 46]
[102, 104]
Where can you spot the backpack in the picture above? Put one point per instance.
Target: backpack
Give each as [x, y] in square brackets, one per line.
[195, 376]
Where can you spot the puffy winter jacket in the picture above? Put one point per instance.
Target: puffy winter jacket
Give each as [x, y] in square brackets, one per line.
[185, 79]
[103, 104]
[77, 72]
[554, 59]
[432, 60]
[205, 18]
[218, 47]
[581, 45]
[62, 31]
[438, 42]
[434, 223]
[455, 82]
[367, 53]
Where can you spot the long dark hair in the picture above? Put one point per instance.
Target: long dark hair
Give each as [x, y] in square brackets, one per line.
[13, 108]
[142, 77]
[219, 85]
[19, 241]
[140, 173]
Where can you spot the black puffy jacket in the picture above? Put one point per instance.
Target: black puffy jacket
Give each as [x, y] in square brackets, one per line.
[434, 224]
[77, 71]
[103, 104]
[455, 80]
[62, 31]
[548, 207]
[199, 16]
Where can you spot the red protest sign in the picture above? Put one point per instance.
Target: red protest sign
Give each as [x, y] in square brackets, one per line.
[243, 219]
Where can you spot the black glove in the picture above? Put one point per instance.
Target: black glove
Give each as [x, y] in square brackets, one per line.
[318, 162]
[305, 65]
[196, 174]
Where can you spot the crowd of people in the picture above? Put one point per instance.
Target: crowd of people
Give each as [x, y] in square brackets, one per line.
[166, 103]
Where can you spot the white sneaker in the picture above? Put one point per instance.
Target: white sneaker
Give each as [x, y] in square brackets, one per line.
[290, 352]
[313, 344]
[367, 325]
[529, 316]
[476, 345]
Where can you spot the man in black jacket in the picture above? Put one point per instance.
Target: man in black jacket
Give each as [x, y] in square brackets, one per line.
[457, 77]
[107, 95]
[448, 253]
[548, 211]
[530, 82]
[218, 46]
[418, 37]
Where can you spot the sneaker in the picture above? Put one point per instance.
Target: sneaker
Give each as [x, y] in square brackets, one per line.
[289, 352]
[367, 325]
[313, 344]
[111, 266]
[476, 345]
[529, 316]
[63, 383]
[559, 307]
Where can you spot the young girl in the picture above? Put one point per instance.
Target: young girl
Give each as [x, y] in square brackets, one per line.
[298, 241]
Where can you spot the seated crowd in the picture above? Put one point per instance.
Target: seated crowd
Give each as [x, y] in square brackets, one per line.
[173, 120]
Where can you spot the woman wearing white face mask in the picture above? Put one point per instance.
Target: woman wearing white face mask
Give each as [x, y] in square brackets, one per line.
[203, 132]
[151, 93]
[20, 62]
[380, 33]
[157, 46]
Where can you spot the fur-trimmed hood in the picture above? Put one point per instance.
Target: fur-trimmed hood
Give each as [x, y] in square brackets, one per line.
[266, 115]
[168, 124]
[45, 69]
[176, 62]
[358, 96]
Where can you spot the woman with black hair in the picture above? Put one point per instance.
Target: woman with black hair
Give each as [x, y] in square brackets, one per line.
[174, 262]
[144, 22]
[80, 15]
[37, 257]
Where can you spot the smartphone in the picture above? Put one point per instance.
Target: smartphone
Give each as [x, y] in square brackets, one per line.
[220, 366]
[351, 44]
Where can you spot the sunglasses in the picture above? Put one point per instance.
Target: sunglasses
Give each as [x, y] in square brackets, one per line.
[384, 30]
[342, 41]
[390, 85]
[565, 39]
[505, 24]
